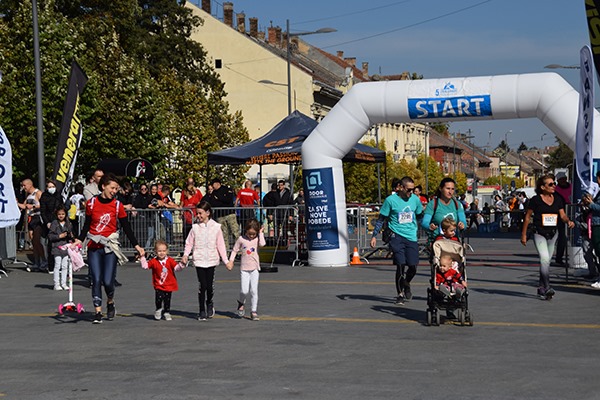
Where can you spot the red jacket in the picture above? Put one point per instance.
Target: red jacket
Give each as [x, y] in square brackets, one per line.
[163, 274]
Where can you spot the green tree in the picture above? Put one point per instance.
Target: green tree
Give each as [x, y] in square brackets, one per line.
[522, 147]
[360, 179]
[434, 173]
[560, 157]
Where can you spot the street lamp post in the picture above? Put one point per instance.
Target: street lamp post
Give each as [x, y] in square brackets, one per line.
[542, 152]
[38, 99]
[505, 153]
[289, 74]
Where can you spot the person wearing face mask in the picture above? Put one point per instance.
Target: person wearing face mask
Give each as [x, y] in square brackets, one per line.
[50, 201]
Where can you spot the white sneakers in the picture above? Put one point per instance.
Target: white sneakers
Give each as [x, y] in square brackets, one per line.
[596, 285]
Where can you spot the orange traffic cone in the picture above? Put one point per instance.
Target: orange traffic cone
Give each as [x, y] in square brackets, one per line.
[356, 258]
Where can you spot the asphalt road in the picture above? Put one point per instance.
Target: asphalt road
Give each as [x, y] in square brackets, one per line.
[324, 333]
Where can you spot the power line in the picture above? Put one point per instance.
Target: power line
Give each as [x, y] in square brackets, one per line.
[409, 26]
[352, 13]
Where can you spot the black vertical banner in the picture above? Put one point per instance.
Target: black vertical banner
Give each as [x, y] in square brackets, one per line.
[592, 13]
[70, 133]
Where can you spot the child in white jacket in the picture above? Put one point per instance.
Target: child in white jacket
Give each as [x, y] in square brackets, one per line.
[206, 244]
[248, 244]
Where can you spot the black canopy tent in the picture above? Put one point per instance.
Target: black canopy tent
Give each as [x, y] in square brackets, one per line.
[283, 145]
[138, 167]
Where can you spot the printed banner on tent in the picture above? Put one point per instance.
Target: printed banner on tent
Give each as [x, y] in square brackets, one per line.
[585, 131]
[9, 210]
[322, 233]
[70, 133]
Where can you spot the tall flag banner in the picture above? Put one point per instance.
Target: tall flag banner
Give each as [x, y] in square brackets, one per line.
[70, 133]
[9, 210]
[585, 130]
[592, 12]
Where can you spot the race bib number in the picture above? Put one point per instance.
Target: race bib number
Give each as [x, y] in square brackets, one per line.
[549, 219]
[405, 217]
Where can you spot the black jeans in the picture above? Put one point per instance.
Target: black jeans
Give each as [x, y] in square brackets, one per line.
[162, 300]
[206, 278]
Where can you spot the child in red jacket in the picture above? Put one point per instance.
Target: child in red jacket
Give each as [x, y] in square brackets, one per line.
[163, 279]
[448, 279]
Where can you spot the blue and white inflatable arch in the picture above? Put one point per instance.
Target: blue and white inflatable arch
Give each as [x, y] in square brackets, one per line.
[546, 96]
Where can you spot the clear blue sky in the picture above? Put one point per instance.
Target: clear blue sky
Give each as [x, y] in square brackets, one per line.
[444, 39]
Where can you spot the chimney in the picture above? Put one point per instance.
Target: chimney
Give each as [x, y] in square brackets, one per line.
[206, 6]
[241, 22]
[228, 14]
[272, 39]
[261, 35]
[340, 54]
[365, 69]
[278, 36]
[253, 27]
[351, 61]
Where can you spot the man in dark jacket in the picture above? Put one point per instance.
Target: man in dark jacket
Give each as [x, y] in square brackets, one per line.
[223, 196]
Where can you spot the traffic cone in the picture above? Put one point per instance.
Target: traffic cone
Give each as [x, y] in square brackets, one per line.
[356, 258]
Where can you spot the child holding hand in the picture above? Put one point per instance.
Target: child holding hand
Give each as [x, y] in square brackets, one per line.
[248, 244]
[163, 279]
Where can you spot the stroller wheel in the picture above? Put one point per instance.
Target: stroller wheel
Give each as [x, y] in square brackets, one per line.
[429, 317]
[469, 318]
[461, 316]
[435, 319]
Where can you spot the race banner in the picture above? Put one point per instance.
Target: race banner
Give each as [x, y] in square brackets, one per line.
[592, 12]
[9, 210]
[70, 133]
[585, 131]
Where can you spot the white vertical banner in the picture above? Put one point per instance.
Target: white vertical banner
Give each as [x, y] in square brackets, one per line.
[585, 131]
[9, 210]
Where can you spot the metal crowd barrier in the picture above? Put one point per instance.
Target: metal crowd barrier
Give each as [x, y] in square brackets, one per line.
[284, 229]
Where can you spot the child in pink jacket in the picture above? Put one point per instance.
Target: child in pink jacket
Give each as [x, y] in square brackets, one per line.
[248, 244]
[205, 242]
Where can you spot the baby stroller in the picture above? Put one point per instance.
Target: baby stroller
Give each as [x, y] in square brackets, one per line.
[436, 300]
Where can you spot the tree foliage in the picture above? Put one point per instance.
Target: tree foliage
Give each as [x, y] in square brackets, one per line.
[561, 157]
[151, 93]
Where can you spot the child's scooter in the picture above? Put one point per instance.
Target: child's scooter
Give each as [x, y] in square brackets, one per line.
[70, 305]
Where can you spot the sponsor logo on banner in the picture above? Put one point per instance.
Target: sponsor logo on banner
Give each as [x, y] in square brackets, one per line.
[446, 99]
[321, 227]
[9, 211]
[585, 129]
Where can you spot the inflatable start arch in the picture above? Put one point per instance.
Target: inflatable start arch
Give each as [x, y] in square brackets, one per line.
[546, 96]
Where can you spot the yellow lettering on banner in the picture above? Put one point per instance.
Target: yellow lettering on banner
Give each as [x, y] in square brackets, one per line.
[594, 25]
[71, 146]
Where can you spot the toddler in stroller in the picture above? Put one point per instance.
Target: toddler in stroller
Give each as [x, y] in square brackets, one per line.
[448, 283]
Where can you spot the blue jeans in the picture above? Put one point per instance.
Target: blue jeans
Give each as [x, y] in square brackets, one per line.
[545, 248]
[103, 267]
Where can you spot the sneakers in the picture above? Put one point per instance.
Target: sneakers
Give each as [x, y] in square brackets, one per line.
[97, 318]
[240, 309]
[58, 287]
[110, 311]
[399, 300]
[254, 316]
[202, 316]
[596, 285]
[211, 311]
[168, 317]
[545, 294]
[65, 287]
[158, 314]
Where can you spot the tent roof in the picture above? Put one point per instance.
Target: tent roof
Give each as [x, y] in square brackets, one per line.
[283, 145]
